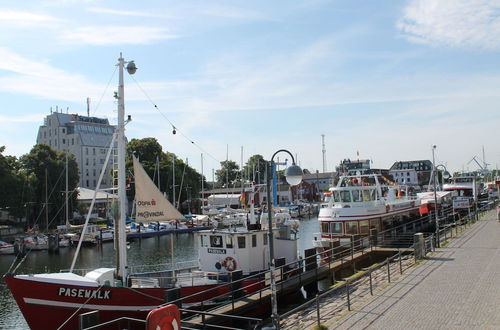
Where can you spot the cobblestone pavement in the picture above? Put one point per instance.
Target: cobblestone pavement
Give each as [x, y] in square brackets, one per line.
[457, 287]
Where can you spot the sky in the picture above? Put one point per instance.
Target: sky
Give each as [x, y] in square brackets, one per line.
[383, 79]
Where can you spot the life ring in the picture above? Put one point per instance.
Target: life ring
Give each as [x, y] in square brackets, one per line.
[229, 263]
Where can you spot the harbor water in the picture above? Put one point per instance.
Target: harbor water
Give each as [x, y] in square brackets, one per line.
[150, 251]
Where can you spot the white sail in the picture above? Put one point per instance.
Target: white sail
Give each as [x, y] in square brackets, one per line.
[151, 205]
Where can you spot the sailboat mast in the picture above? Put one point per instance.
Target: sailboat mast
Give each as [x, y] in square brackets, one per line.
[66, 193]
[46, 201]
[121, 251]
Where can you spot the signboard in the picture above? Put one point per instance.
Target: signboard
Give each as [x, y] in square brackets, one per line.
[217, 251]
[462, 202]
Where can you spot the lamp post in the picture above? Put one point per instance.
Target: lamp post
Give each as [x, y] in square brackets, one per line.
[293, 175]
[436, 220]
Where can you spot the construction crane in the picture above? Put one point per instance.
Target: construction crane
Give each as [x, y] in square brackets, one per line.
[483, 169]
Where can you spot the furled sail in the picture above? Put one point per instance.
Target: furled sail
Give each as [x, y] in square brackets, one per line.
[151, 205]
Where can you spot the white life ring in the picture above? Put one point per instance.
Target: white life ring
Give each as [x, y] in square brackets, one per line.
[229, 263]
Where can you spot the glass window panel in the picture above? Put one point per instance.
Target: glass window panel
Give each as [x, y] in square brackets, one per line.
[216, 241]
[366, 195]
[336, 227]
[345, 196]
[351, 227]
[324, 227]
[229, 241]
[241, 242]
[356, 196]
[364, 228]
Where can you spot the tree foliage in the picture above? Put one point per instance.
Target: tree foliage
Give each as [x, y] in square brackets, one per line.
[150, 154]
[229, 173]
[44, 170]
[255, 169]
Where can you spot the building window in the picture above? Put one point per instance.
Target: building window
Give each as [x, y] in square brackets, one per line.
[95, 184]
[87, 183]
[86, 172]
[93, 161]
[101, 161]
[407, 173]
[93, 151]
[93, 171]
[72, 141]
[44, 134]
[64, 141]
[86, 151]
[64, 130]
[86, 161]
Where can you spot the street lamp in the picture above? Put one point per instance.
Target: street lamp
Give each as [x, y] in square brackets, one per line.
[436, 220]
[445, 176]
[293, 175]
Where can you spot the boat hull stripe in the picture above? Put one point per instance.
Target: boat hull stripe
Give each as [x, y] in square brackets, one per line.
[53, 303]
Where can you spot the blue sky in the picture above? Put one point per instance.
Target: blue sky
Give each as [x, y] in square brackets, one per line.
[386, 78]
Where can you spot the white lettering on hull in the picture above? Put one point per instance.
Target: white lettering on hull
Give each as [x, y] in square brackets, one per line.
[84, 293]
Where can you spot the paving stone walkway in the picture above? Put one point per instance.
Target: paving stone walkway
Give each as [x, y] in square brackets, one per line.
[457, 287]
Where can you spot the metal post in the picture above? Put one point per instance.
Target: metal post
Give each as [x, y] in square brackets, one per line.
[388, 270]
[400, 264]
[317, 309]
[274, 305]
[348, 295]
[371, 284]
[435, 195]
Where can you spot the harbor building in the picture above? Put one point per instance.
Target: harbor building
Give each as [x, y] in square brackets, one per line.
[412, 173]
[88, 138]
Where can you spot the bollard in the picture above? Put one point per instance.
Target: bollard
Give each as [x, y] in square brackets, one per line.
[317, 309]
[388, 270]
[348, 296]
[371, 284]
[400, 264]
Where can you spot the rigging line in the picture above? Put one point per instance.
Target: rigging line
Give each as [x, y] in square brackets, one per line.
[105, 91]
[48, 198]
[172, 124]
[78, 309]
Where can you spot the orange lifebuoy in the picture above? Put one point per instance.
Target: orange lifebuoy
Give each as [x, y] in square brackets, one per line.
[229, 263]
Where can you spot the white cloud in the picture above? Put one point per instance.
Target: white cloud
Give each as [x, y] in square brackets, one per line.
[455, 23]
[116, 35]
[131, 13]
[15, 18]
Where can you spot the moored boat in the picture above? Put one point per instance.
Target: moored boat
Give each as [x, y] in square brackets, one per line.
[360, 204]
[55, 300]
[6, 248]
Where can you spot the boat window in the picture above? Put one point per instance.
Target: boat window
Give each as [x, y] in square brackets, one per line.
[229, 241]
[265, 239]
[345, 196]
[356, 196]
[216, 241]
[325, 227]
[254, 240]
[336, 227]
[351, 227]
[387, 223]
[375, 224]
[336, 196]
[241, 242]
[364, 228]
[367, 196]
[204, 240]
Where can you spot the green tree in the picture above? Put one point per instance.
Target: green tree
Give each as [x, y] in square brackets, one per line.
[147, 150]
[11, 194]
[255, 169]
[45, 169]
[229, 173]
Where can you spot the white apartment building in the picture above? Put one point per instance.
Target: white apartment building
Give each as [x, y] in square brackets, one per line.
[87, 138]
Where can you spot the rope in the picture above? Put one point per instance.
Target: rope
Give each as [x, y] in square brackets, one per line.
[78, 310]
[105, 90]
[174, 128]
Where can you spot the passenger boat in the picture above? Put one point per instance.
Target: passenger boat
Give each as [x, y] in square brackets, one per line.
[359, 204]
[55, 300]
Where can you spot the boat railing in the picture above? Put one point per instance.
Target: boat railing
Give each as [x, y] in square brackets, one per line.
[179, 266]
[166, 279]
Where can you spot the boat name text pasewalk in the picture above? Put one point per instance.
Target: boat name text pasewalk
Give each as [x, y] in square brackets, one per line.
[217, 251]
[83, 293]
